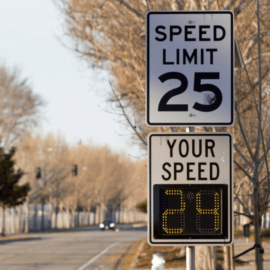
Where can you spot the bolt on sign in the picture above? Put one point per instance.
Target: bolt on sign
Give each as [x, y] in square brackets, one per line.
[190, 68]
[190, 189]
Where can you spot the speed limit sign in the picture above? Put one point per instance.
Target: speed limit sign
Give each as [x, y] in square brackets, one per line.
[190, 68]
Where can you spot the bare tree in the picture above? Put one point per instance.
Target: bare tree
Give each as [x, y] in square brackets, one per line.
[20, 107]
[104, 178]
[111, 35]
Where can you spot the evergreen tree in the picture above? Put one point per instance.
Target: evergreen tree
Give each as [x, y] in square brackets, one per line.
[142, 206]
[11, 194]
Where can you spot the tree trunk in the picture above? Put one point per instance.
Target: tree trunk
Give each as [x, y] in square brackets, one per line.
[50, 215]
[122, 214]
[62, 215]
[3, 221]
[205, 258]
[35, 217]
[56, 217]
[42, 215]
[19, 209]
[88, 215]
[68, 217]
[226, 252]
[12, 229]
[213, 256]
[208, 262]
[257, 231]
[101, 212]
[231, 256]
[240, 227]
[26, 229]
[84, 217]
[97, 215]
[73, 217]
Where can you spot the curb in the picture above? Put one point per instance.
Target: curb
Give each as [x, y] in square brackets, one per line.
[38, 234]
[19, 237]
[133, 264]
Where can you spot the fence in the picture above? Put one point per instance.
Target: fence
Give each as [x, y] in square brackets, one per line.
[18, 219]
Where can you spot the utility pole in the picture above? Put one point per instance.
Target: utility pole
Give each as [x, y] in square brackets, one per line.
[42, 211]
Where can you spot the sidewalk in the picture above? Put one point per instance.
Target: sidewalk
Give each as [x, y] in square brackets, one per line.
[240, 245]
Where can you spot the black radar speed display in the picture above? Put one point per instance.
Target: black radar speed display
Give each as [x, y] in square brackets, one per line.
[192, 211]
[190, 189]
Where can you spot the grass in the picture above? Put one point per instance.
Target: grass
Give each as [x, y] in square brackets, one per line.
[124, 261]
[172, 256]
[220, 257]
[130, 257]
[175, 258]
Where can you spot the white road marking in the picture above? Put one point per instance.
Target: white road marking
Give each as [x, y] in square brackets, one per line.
[98, 256]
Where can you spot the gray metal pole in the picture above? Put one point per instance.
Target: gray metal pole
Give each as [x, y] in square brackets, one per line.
[190, 255]
[190, 251]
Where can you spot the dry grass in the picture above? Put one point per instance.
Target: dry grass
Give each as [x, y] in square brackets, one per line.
[220, 256]
[124, 261]
[171, 254]
[173, 257]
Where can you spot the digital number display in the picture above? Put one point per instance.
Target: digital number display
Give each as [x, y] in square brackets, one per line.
[190, 211]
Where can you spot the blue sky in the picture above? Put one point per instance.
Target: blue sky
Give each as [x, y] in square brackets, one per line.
[30, 31]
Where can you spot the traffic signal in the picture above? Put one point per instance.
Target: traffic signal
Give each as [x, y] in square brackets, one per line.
[38, 173]
[75, 170]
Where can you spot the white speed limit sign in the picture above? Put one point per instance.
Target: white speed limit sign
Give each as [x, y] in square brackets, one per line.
[190, 68]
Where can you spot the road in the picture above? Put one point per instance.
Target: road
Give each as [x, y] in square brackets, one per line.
[86, 249]
[81, 249]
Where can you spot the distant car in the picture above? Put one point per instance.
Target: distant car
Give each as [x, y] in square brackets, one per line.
[107, 225]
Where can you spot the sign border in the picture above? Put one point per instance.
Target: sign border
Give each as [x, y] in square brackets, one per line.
[149, 199]
[231, 122]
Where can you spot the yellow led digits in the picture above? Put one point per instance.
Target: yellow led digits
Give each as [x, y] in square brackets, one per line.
[174, 212]
[190, 212]
[213, 211]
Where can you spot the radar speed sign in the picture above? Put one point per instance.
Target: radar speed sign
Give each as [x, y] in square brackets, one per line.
[190, 189]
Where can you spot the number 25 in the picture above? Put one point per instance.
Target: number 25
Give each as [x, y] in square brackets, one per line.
[198, 87]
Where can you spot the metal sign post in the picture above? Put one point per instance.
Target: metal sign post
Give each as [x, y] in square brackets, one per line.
[190, 261]
[190, 251]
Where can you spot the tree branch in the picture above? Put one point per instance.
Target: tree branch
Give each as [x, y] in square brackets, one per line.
[127, 118]
[243, 170]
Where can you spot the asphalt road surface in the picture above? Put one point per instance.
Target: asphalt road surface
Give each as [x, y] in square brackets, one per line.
[81, 249]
